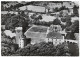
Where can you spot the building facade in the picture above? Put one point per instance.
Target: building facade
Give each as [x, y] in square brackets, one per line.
[54, 35]
[19, 37]
[46, 34]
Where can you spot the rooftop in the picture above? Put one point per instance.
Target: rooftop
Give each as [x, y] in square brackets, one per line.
[36, 32]
[48, 18]
[9, 33]
[54, 35]
[18, 28]
[33, 8]
[41, 32]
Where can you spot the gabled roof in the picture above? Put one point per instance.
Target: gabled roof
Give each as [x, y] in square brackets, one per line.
[48, 18]
[36, 32]
[33, 8]
[9, 33]
[54, 35]
[41, 32]
[18, 28]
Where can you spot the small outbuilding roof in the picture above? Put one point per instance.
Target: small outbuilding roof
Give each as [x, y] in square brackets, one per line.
[9, 33]
[18, 28]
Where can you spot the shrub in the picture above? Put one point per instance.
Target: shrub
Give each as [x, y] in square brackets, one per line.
[42, 49]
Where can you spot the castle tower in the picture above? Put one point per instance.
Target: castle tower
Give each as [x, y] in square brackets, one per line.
[19, 37]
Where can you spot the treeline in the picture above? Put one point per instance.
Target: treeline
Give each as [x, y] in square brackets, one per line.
[12, 21]
[14, 7]
[44, 49]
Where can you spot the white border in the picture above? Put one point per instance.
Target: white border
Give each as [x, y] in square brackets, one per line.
[38, 0]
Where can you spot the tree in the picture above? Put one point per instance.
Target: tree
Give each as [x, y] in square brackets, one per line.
[56, 9]
[40, 17]
[33, 16]
[75, 10]
[2, 8]
[56, 22]
[75, 26]
[68, 21]
[60, 14]
[42, 49]
[45, 5]
[63, 19]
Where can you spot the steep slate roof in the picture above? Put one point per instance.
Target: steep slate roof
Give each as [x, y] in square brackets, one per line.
[36, 32]
[54, 35]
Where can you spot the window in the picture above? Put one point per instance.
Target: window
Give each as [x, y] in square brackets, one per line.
[18, 31]
[56, 39]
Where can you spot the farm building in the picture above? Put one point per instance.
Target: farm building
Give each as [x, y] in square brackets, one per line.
[54, 34]
[33, 8]
[56, 37]
[36, 33]
[41, 33]
[47, 18]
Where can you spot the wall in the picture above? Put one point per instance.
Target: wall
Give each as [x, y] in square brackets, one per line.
[19, 39]
[55, 41]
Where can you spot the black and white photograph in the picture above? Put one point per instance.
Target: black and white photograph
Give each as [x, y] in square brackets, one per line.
[40, 28]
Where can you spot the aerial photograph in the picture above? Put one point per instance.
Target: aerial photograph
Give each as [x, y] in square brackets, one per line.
[40, 28]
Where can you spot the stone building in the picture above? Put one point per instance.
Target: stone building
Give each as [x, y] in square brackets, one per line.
[36, 33]
[54, 35]
[19, 37]
[43, 34]
[55, 28]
